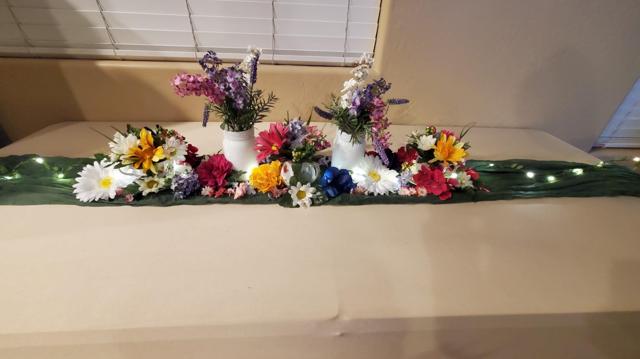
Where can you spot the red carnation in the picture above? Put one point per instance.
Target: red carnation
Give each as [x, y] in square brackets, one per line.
[271, 141]
[214, 171]
[432, 179]
[407, 154]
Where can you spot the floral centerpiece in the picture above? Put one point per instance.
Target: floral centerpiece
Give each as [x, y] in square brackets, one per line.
[145, 161]
[232, 97]
[433, 163]
[360, 113]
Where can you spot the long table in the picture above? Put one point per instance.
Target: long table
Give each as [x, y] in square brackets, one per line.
[539, 278]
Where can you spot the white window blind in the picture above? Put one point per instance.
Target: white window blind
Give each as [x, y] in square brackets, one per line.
[288, 31]
[624, 128]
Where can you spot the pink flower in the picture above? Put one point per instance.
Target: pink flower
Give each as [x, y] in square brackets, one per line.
[240, 190]
[380, 123]
[197, 85]
[271, 141]
[422, 192]
[433, 181]
[405, 191]
[214, 171]
[448, 133]
[207, 191]
[128, 198]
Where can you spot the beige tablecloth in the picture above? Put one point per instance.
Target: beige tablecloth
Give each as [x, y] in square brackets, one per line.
[539, 278]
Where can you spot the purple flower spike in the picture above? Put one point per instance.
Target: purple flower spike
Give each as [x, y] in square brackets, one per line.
[254, 69]
[397, 101]
[322, 113]
[210, 62]
[205, 116]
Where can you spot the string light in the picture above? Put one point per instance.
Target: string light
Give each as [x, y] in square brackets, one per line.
[551, 179]
[530, 174]
[600, 164]
[39, 160]
[491, 164]
[636, 159]
[577, 171]
[454, 175]
[8, 178]
[60, 175]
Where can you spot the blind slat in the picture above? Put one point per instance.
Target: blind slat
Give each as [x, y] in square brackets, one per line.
[300, 30]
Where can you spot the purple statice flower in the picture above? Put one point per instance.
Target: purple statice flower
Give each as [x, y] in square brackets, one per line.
[235, 87]
[210, 62]
[297, 132]
[184, 185]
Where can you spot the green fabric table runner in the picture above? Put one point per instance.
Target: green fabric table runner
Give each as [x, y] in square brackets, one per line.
[25, 181]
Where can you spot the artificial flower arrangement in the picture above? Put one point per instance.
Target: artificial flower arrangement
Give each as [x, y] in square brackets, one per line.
[232, 97]
[360, 113]
[145, 161]
[433, 162]
[229, 90]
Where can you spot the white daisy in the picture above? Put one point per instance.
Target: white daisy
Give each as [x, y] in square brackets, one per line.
[301, 195]
[151, 184]
[121, 144]
[99, 181]
[463, 179]
[426, 143]
[371, 175]
[174, 149]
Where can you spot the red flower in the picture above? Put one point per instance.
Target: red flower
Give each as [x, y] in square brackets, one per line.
[407, 154]
[473, 174]
[192, 157]
[448, 133]
[214, 171]
[432, 179]
[271, 141]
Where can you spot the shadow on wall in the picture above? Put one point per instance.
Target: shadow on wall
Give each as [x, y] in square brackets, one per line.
[566, 97]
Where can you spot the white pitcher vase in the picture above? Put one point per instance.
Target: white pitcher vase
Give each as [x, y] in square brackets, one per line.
[239, 149]
[345, 153]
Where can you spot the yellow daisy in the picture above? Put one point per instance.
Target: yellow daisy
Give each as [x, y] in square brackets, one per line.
[447, 151]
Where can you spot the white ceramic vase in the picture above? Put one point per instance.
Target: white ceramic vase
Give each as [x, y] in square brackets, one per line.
[345, 153]
[239, 149]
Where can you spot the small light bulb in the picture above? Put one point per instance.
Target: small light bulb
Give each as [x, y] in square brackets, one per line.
[491, 164]
[39, 160]
[454, 175]
[600, 164]
[577, 171]
[636, 159]
[60, 175]
[8, 178]
[551, 179]
[530, 174]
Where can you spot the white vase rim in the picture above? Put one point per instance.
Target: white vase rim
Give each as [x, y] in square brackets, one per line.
[347, 137]
[242, 135]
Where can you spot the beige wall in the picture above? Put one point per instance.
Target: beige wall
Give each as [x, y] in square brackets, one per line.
[558, 65]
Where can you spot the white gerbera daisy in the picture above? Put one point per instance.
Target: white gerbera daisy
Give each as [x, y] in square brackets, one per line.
[426, 143]
[151, 184]
[302, 195]
[99, 181]
[174, 149]
[121, 145]
[371, 175]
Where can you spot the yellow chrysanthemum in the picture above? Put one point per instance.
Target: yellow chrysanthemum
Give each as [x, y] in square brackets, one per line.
[144, 155]
[266, 177]
[447, 151]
